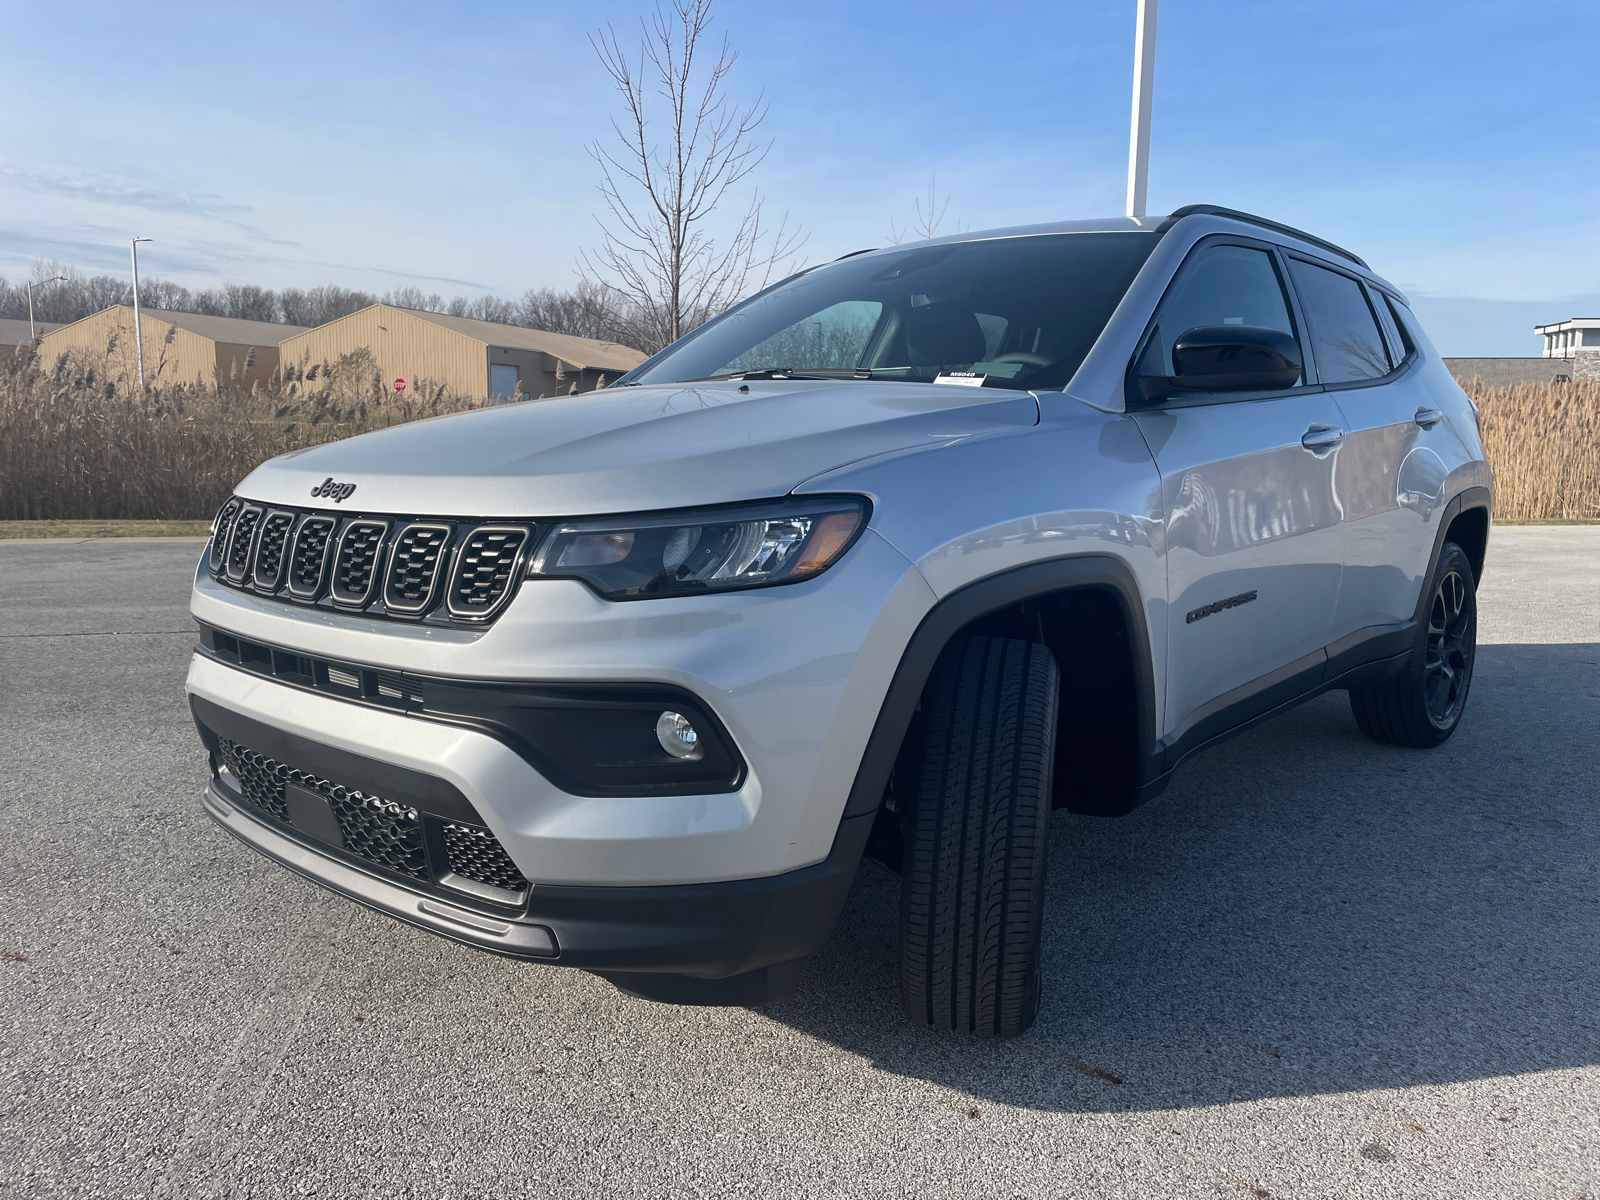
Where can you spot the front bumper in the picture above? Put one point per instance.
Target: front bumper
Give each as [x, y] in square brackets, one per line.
[796, 676]
[709, 931]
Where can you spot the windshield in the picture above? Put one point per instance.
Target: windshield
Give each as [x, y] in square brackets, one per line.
[1018, 312]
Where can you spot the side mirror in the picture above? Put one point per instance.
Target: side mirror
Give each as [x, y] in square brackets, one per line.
[1228, 358]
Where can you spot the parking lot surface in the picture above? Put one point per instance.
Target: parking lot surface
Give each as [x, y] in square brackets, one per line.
[1315, 967]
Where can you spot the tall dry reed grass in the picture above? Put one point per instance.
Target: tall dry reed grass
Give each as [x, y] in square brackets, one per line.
[73, 445]
[1543, 440]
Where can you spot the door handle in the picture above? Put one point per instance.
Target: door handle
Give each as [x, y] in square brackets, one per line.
[1322, 437]
[1428, 417]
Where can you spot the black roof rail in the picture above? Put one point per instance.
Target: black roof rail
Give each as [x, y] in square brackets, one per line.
[1214, 210]
[853, 253]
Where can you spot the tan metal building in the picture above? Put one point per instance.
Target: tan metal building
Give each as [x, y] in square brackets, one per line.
[15, 333]
[179, 347]
[469, 358]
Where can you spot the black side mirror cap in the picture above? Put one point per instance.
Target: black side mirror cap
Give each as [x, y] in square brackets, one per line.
[1228, 358]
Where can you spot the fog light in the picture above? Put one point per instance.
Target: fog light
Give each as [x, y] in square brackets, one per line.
[677, 735]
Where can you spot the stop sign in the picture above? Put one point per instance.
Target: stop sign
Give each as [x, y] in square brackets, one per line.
[399, 385]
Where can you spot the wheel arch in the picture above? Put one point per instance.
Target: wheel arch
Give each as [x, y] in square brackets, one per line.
[1030, 594]
[1467, 516]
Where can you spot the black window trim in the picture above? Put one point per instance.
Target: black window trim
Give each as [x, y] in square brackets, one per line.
[1367, 289]
[1312, 385]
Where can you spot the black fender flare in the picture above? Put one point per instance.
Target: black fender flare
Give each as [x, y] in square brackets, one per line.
[979, 599]
[1467, 498]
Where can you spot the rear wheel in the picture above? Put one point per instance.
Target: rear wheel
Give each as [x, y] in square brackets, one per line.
[973, 869]
[1422, 705]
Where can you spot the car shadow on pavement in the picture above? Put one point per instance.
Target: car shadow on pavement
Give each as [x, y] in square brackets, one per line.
[1303, 912]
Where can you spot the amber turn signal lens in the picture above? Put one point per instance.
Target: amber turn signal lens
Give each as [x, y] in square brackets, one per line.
[832, 534]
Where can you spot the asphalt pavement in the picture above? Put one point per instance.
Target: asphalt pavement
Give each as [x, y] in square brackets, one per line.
[1315, 967]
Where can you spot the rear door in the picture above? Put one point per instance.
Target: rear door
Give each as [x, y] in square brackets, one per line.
[1388, 480]
[1253, 538]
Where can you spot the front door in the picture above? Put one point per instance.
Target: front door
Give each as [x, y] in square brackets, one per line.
[1254, 546]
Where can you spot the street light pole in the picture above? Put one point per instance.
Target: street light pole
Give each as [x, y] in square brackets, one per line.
[1144, 74]
[32, 335]
[138, 330]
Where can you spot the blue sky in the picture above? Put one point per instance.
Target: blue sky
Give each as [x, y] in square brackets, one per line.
[378, 145]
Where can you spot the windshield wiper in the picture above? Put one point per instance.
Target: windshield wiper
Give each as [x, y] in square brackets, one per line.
[791, 373]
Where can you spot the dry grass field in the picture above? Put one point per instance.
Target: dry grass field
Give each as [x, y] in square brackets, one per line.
[75, 447]
[1544, 442]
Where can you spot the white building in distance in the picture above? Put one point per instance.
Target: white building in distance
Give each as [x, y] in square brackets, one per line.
[1577, 341]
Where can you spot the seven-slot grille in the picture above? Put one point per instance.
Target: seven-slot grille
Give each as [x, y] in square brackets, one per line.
[436, 570]
[308, 559]
[412, 582]
[355, 562]
[384, 833]
[268, 571]
[484, 572]
[240, 542]
[219, 536]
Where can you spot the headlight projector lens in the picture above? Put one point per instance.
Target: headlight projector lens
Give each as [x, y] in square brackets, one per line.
[677, 735]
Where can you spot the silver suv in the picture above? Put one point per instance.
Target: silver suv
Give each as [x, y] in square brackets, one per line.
[891, 559]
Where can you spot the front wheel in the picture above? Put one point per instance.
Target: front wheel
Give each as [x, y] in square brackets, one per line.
[1422, 705]
[973, 870]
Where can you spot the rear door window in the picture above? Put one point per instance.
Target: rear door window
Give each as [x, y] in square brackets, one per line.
[1344, 333]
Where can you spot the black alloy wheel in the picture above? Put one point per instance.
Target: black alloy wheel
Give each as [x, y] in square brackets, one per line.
[1422, 704]
[1447, 663]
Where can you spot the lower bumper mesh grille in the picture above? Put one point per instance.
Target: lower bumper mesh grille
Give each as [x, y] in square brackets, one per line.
[476, 854]
[383, 833]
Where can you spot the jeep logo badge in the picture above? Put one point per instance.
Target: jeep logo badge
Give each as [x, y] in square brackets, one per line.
[337, 492]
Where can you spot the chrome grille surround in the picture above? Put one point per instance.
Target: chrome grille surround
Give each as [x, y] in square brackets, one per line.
[417, 561]
[309, 553]
[266, 574]
[357, 562]
[486, 570]
[241, 542]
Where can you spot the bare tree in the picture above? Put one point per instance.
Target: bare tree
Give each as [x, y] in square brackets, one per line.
[927, 224]
[661, 258]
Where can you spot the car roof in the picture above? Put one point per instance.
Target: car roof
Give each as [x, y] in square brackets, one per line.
[1156, 226]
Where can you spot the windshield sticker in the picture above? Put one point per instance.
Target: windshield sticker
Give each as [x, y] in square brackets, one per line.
[961, 378]
[1000, 370]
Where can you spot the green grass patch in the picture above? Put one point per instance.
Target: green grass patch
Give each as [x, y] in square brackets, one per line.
[102, 529]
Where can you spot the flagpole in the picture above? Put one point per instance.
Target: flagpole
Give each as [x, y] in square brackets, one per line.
[1144, 70]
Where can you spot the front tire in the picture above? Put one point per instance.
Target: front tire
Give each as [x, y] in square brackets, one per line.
[973, 871]
[1422, 705]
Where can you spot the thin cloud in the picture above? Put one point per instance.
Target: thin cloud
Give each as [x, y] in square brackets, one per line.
[148, 199]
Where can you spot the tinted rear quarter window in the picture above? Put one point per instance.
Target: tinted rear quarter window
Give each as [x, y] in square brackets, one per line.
[1344, 333]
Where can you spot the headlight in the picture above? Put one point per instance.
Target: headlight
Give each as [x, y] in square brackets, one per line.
[710, 550]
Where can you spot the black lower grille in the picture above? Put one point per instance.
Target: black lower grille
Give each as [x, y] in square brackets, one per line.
[478, 855]
[383, 833]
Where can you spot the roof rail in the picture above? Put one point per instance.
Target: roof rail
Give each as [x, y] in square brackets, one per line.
[1214, 210]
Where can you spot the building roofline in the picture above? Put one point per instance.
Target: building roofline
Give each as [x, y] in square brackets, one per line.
[1569, 323]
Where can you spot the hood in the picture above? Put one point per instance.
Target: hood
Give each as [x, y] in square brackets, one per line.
[634, 448]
